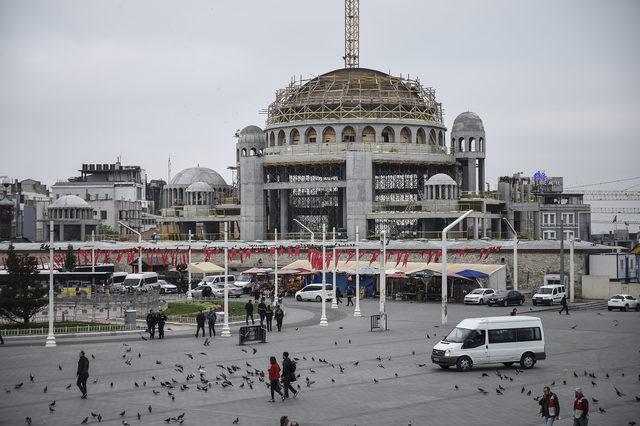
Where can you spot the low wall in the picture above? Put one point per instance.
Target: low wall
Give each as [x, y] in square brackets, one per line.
[599, 287]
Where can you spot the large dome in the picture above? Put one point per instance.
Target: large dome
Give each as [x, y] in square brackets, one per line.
[355, 93]
[198, 174]
[468, 121]
[70, 202]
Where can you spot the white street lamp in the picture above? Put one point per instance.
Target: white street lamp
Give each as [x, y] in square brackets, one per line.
[226, 331]
[444, 264]
[93, 250]
[383, 273]
[51, 339]
[275, 272]
[572, 272]
[323, 317]
[356, 312]
[515, 254]
[334, 301]
[139, 244]
[189, 295]
[307, 229]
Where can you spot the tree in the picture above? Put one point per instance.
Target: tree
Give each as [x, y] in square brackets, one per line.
[106, 231]
[70, 259]
[23, 296]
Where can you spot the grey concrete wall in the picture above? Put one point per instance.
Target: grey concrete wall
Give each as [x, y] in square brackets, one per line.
[252, 209]
[359, 191]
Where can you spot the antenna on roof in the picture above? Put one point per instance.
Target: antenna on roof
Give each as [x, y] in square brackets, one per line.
[351, 34]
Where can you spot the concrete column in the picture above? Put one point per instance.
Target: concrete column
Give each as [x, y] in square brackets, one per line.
[471, 170]
[61, 232]
[481, 182]
[499, 228]
[536, 225]
[475, 228]
[359, 176]
[284, 213]
[83, 232]
[484, 227]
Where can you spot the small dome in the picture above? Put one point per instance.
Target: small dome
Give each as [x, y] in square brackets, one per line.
[468, 122]
[198, 174]
[251, 134]
[441, 179]
[250, 129]
[70, 202]
[199, 187]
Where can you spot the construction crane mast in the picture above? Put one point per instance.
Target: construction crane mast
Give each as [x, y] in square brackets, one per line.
[351, 33]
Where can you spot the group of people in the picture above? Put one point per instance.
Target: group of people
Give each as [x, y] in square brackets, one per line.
[288, 376]
[266, 314]
[211, 318]
[156, 319]
[550, 407]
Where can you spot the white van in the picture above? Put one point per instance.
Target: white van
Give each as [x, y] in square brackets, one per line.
[549, 294]
[492, 340]
[141, 282]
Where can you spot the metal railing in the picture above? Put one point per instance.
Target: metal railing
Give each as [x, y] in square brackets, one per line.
[341, 147]
[103, 328]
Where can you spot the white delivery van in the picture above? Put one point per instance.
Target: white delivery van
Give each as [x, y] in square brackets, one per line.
[492, 340]
[549, 294]
[141, 282]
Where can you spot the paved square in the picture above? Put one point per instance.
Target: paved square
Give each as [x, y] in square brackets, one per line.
[405, 391]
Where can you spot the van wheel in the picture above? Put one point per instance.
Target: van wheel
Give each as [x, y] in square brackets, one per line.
[610, 309]
[318, 299]
[551, 302]
[535, 303]
[527, 360]
[464, 363]
[637, 307]
[444, 367]
[626, 308]
[299, 298]
[482, 301]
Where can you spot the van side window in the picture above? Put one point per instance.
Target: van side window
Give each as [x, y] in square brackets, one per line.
[528, 334]
[475, 339]
[151, 280]
[505, 335]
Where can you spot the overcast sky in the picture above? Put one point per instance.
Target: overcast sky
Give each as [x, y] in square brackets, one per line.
[556, 82]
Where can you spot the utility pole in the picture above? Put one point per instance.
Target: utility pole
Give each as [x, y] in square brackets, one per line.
[323, 317]
[334, 301]
[444, 289]
[226, 331]
[351, 34]
[51, 338]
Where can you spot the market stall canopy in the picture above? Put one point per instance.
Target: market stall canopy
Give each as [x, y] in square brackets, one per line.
[205, 268]
[471, 270]
[257, 271]
[287, 271]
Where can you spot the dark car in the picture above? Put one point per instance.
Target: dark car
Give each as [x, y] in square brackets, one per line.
[506, 297]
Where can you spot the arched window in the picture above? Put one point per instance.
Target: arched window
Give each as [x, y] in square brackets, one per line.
[295, 137]
[432, 137]
[481, 145]
[244, 152]
[272, 139]
[440, 138]
[329, 135]
[388, 135]
[310, 135]
[472, 144]
[348, 134]
[252, 152]
[462, 146]
[368, 135]
[405, 135]
[281, 138]
[421, 137]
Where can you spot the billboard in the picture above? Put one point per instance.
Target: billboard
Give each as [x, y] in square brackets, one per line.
[543, 184]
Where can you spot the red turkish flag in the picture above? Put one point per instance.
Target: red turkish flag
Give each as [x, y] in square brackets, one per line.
[374, 256]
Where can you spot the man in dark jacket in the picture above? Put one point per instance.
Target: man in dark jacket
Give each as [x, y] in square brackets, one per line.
[211, 319]
[161, 317]
[349, 296]
[279, 314]
[288, 375]
[549, 406]
[262, 311]
[200, 319]
[563, 302]
[83, 374]
[151, 323]
[249, 310]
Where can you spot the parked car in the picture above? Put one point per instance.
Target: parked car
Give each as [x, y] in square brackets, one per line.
[198, 291]
[549, 294]
[492, 340]
[314, 292]
[167, 288]
[218, 290]
[624, 302]
[506, 297]
[478, 296]
[244, 282]
[141, 283]
[217, 279]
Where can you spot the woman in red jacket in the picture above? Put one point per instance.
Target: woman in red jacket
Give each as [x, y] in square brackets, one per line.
[274, 378]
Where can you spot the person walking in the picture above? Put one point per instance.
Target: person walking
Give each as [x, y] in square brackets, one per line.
[1, 339]
[161, 318]
[288, 375]
[565, 307]
[274, 378]
[549, 406]
[262, 310]
[212, 317]
[269, 316]
[200, 319]
[83, 374]
[279, 314]
[256, 293]
[580, 409]
[349, 296]
[514, 312]
[284, 421]
[151, 323]
[249, 310]
[338, 295]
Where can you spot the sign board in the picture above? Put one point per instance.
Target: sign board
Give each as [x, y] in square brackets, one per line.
[252, 333]
[543, 184]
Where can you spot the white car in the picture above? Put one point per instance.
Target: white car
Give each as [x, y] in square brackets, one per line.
[314, 292]
[167, 288]
[478, 296]
[549, 294]
[218, 290]
[624, 302]
[243, 282]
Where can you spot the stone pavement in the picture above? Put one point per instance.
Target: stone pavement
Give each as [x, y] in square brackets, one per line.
[409, 388]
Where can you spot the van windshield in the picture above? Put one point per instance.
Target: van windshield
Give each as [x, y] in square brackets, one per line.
[545, 290]
[458, 335]
[131, 282]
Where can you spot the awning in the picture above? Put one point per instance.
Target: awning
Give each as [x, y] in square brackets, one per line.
[205, 268]
[286, 271]
[257, 271]
[470, 273]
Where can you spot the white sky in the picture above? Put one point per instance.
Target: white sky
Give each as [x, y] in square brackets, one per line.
[556, 82]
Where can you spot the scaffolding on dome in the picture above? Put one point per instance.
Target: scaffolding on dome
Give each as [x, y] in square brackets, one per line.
[354, 93]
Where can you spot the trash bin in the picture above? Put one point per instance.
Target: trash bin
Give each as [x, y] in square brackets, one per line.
[130, 318]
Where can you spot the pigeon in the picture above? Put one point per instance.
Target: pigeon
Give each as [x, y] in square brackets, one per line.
[522, 390]
[498, 391]
[483, 391]
[51, 409]
[594, 383]
[94, 415]
[149, 408]
[45, 389]
[139, 416]
[18, 386]
[235, 422]
[255, 350]
[28, 420]
[456, 387]
[84, 422]
[638, 398]
[143, 338]
[594, 400]
[53, 403]
[244, 350]
[93, 356]
[190, 356]
[620, 394]
[31, 377]
[59, 367]
[122, 414]
[125, 423]
[573, 327]
[375, 381]
[356, 363]
[602, 410]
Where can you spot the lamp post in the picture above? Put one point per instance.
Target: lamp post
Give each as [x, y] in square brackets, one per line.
[334, 302]
[307, 229]
[139, 244]
[93, 250]
[383, 272]
[323, 317]
[572, 274]
[515, 253]
[356, 312]
[226, 331]
[275, 272]
[444, 289]
[189, 295]
[51, 338]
